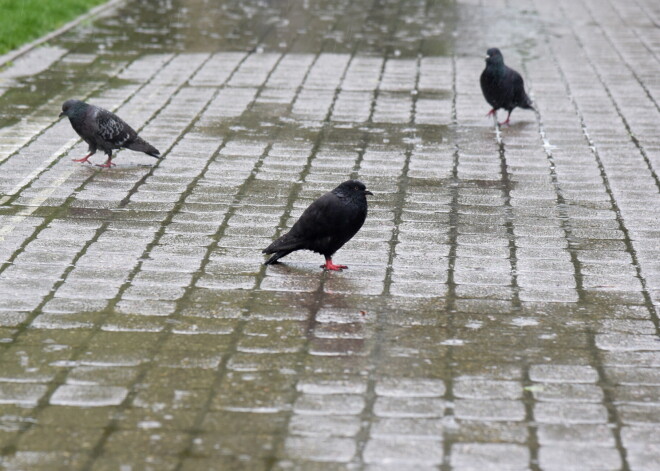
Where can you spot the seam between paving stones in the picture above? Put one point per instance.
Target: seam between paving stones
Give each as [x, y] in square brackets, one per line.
[630, 247]
[79, 349]
[509, 218]
[629, 129]
[451, 266]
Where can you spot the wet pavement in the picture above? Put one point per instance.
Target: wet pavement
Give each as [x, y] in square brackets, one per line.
[501, 307]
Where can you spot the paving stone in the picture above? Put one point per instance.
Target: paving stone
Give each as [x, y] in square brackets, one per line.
[88, 396]
[574, 457]
[468, 456]
[393, 450]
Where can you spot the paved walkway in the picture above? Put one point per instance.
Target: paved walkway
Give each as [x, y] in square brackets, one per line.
[501, 309]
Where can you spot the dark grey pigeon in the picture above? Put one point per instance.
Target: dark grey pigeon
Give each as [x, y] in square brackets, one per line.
[326, 225]
[102, 129]
[502, 86]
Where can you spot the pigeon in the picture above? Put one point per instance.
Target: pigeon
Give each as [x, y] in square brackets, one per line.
[502, 86]
[326, 225]
[102, 129]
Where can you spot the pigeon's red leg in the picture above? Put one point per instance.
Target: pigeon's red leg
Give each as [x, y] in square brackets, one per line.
[491, 112]
[331, 266]
[506, 122]
[84, 159]
[108, 163]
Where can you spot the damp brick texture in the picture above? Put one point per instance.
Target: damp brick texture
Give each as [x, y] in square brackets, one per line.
[500, 311]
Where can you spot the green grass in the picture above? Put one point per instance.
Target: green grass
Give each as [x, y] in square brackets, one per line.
[21, 21]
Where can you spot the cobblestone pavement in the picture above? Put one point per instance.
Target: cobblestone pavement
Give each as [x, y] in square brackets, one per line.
[501, 309]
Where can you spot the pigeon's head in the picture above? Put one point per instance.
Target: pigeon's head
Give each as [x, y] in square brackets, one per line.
[494, 56]
[352, 188]
[71, 108]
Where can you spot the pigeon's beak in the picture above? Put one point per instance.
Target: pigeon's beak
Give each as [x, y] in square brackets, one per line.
[61, 114]
[367, 192]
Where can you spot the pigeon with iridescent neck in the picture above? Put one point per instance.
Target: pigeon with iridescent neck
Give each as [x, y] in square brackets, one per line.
[104, 130]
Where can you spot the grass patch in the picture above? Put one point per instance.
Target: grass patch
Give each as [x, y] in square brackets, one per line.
[22, 21]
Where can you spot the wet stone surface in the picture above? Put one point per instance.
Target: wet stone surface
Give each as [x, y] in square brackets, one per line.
[501, 309]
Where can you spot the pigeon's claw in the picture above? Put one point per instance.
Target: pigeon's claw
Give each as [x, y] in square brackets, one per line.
[505, 122]
[107, 164]
[331, 266]
[84, 159]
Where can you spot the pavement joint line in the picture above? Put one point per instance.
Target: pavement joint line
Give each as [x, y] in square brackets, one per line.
[454, 217]
[222, 368]
[630, 246]
[61, 375]
[508, 219]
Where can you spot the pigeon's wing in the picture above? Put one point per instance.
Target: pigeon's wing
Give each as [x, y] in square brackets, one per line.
[318, 222]
[517, 84]
[112, 130]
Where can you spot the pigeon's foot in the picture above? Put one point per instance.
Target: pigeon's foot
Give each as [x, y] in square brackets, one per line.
[491, 113]
[84, 159]
[506, 122]
[108, 164]
[331, 266]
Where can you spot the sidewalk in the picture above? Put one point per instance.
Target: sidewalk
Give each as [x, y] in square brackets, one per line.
[501, 307]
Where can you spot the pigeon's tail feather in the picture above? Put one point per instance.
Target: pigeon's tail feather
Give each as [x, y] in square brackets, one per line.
[141, 145]
[277, 256]
[527, 104]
